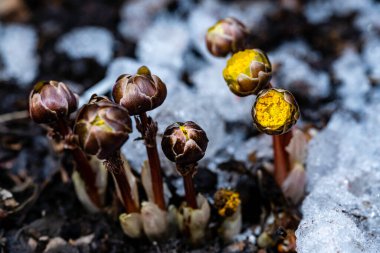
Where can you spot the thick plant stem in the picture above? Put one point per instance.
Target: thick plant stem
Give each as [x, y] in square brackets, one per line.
[149, 136]
[281, 159]
[87, 174]
[83, 167]
[114, 165]
[190, 191]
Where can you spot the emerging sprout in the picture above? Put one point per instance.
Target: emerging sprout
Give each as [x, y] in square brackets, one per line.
[247, 72]
[50, 101]
[193, 221]
[152, 221]
[139, 93]
[226, 36]
[184, 144]
[294, 185]
[275, 111]
[102, 127]
[131, 224]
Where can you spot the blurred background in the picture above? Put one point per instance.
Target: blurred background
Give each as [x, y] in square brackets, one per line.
[326, 52]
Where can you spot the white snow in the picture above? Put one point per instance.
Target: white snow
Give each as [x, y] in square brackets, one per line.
[319, 11]
[342, 211]
[211, 86]
[368, 18]
[18, 53]
[88, 42]
[350, 70]
[137, 16]
[371, 55]
[164, 44]
[295, 73]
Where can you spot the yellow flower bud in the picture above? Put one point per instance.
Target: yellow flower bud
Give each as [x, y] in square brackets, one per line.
[275, 111]
[247, 72]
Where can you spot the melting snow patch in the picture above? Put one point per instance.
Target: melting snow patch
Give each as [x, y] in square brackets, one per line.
[342, 211]
[88, 42]
[18, 59]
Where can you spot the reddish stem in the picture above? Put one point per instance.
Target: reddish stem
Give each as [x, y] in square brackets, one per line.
[114, 165]
[190, 191]
[154, 163]
[83, 166]
[281, 157]
[87, 174]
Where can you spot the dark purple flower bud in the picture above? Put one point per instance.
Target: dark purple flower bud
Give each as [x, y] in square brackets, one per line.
[51, 100]
[139, 93]
[102, 127]
[226, 36]
[184, 143]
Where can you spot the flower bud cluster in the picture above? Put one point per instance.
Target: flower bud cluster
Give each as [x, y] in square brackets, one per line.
[248, 72]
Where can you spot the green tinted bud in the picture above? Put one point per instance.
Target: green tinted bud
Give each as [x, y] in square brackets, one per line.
[102, 127]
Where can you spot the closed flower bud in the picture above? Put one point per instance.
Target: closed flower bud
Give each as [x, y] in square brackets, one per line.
[184, 143]
[139, 93]
[247, 72]
[226, 36]
[102, 127]
[275, 111]
[51, 100]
